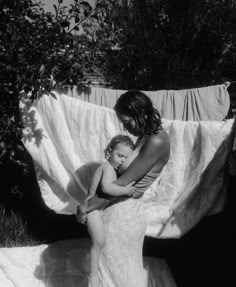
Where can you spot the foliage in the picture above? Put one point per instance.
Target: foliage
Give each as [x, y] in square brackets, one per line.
[166, 44]
[144, 45]
[38, 52]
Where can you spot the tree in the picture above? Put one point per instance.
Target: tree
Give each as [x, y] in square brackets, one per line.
[167, 44]
[39, 51]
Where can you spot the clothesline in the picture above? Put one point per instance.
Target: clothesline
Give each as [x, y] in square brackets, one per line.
[228, 83]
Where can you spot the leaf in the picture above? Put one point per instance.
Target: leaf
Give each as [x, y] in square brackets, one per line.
[55, 7]
[65, 24]
[101, 5]
[42, 69]
[94, 16]
[60, 1]
[87, 8]
[77, 19]
[86, 5]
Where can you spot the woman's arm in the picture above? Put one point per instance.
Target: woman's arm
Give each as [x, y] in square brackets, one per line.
[110, 188]
[151, 152]
[154, 149]
[105, 175]
[129, 160]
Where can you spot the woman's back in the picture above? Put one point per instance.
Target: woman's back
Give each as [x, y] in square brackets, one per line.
[163, 150]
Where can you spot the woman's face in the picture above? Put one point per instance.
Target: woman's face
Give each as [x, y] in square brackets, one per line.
[130, 125]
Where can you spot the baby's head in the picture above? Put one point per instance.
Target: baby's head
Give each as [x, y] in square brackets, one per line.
[118, 150]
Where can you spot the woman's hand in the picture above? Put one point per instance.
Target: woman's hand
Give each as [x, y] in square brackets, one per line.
[137, 194]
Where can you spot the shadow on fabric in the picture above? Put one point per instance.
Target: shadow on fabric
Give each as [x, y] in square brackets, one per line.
[64, 263]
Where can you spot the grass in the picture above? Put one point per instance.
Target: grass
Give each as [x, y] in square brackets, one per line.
[32, 224]
[14, 231]
[25, 220]
[42, 227]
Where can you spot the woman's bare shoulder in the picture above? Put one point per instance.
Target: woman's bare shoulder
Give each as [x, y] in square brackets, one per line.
[159, 140]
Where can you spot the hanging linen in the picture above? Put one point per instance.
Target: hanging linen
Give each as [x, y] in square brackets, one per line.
[67, 137]
[200, 104]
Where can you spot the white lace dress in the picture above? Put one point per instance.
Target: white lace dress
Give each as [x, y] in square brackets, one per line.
[121, 262]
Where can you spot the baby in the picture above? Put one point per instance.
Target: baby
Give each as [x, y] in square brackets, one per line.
[116, 152]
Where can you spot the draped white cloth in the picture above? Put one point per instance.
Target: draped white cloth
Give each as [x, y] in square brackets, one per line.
[199, 104]
[68, 141]
[64, 264]
[66, 138]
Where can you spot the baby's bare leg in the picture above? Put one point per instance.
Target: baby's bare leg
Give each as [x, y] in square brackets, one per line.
[96, 230]
[97, 203]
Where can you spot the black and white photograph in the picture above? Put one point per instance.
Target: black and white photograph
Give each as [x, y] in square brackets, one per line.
[117, 143]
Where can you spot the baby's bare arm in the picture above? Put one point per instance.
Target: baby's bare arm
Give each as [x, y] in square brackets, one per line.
[109, 187]
[95, 181]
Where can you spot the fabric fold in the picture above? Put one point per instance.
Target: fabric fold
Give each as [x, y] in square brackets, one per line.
[200, 104]
[74, 135]
[63, 264]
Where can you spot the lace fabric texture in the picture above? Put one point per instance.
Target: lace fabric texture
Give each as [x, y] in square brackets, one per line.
[121, 262]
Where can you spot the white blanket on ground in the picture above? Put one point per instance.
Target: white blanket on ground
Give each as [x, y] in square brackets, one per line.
[63, 264]
[66, 138]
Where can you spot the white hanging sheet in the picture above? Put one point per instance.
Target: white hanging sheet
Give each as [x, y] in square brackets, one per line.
[200, 104]
[67, 143]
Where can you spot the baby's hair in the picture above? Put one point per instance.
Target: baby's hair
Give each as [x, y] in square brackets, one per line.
[126, 140]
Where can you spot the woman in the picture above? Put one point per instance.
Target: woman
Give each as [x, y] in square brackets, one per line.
[121, 262]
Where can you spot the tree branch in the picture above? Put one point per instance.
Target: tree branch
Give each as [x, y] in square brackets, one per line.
[81, 21]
